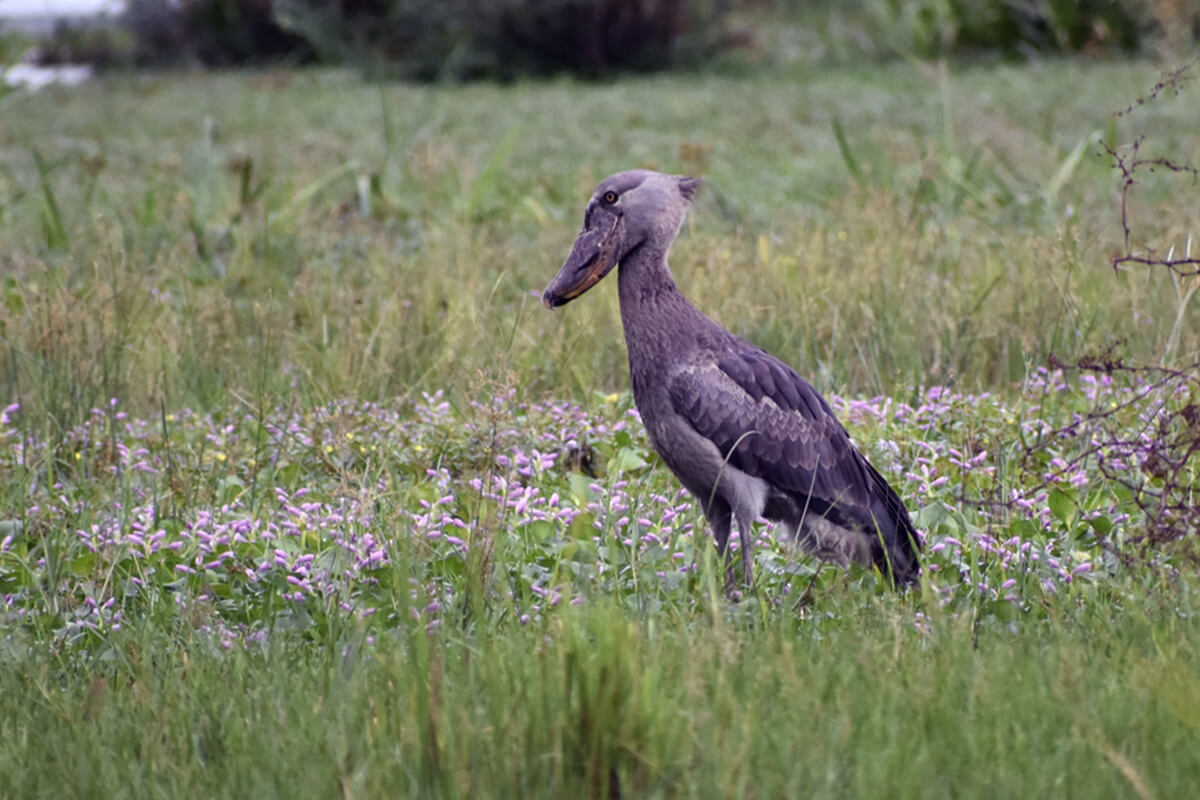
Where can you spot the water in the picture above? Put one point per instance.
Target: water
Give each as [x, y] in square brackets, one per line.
[37, 17]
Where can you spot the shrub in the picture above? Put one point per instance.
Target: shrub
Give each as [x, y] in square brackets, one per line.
[429, 39]
[594, 36]
[210, 32]
[504, 38]
[931, 28]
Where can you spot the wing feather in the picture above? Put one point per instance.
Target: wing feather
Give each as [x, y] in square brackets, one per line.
[772, 424]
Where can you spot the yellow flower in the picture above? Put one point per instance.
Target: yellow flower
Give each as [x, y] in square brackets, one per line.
[221, 457]
[612, 398]
[843, 236]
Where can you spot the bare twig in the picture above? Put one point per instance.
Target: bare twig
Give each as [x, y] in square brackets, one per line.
[1129, 161]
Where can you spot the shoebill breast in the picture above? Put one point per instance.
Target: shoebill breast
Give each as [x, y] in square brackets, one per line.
[743, 432]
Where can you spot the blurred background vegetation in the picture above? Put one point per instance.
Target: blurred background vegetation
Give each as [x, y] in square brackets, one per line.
[505, 39]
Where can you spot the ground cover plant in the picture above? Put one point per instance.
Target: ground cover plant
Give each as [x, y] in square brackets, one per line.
[302, 492]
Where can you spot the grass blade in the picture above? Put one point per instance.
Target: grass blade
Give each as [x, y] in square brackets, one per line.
[844, 148]
[54, 230]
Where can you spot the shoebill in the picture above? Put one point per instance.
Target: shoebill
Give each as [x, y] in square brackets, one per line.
[745, 434]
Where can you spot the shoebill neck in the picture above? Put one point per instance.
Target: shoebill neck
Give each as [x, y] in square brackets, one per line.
[652, 307]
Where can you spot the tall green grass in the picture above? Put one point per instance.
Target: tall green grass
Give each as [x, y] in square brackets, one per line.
[1095, 701]
[178, 239]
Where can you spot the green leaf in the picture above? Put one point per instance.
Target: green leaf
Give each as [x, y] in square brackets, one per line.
[541, 530]
[583, 527]
[930, 517]
[1025, 529]
[1062, 505]
[581, 488]
[627, 459]
[84, 564]
[289, 475]
[14, 301]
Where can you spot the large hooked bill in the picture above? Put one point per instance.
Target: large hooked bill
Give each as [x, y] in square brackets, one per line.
[593, 256]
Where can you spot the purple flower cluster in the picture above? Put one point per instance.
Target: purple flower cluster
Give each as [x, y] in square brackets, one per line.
[316, 506]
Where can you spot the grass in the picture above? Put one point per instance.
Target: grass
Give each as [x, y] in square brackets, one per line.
[302, 491]
[218, 223]
[864, 704]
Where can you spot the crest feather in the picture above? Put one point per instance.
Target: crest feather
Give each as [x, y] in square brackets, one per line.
[688, 187]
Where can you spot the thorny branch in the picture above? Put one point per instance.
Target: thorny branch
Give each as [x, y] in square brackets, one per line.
[1150, 460]
[1146, 444]
[1153, 461]
[1129, 161]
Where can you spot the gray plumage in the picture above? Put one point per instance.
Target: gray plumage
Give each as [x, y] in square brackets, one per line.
[744, 433]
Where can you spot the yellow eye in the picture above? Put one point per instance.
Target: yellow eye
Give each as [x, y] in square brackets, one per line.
[610, 197]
